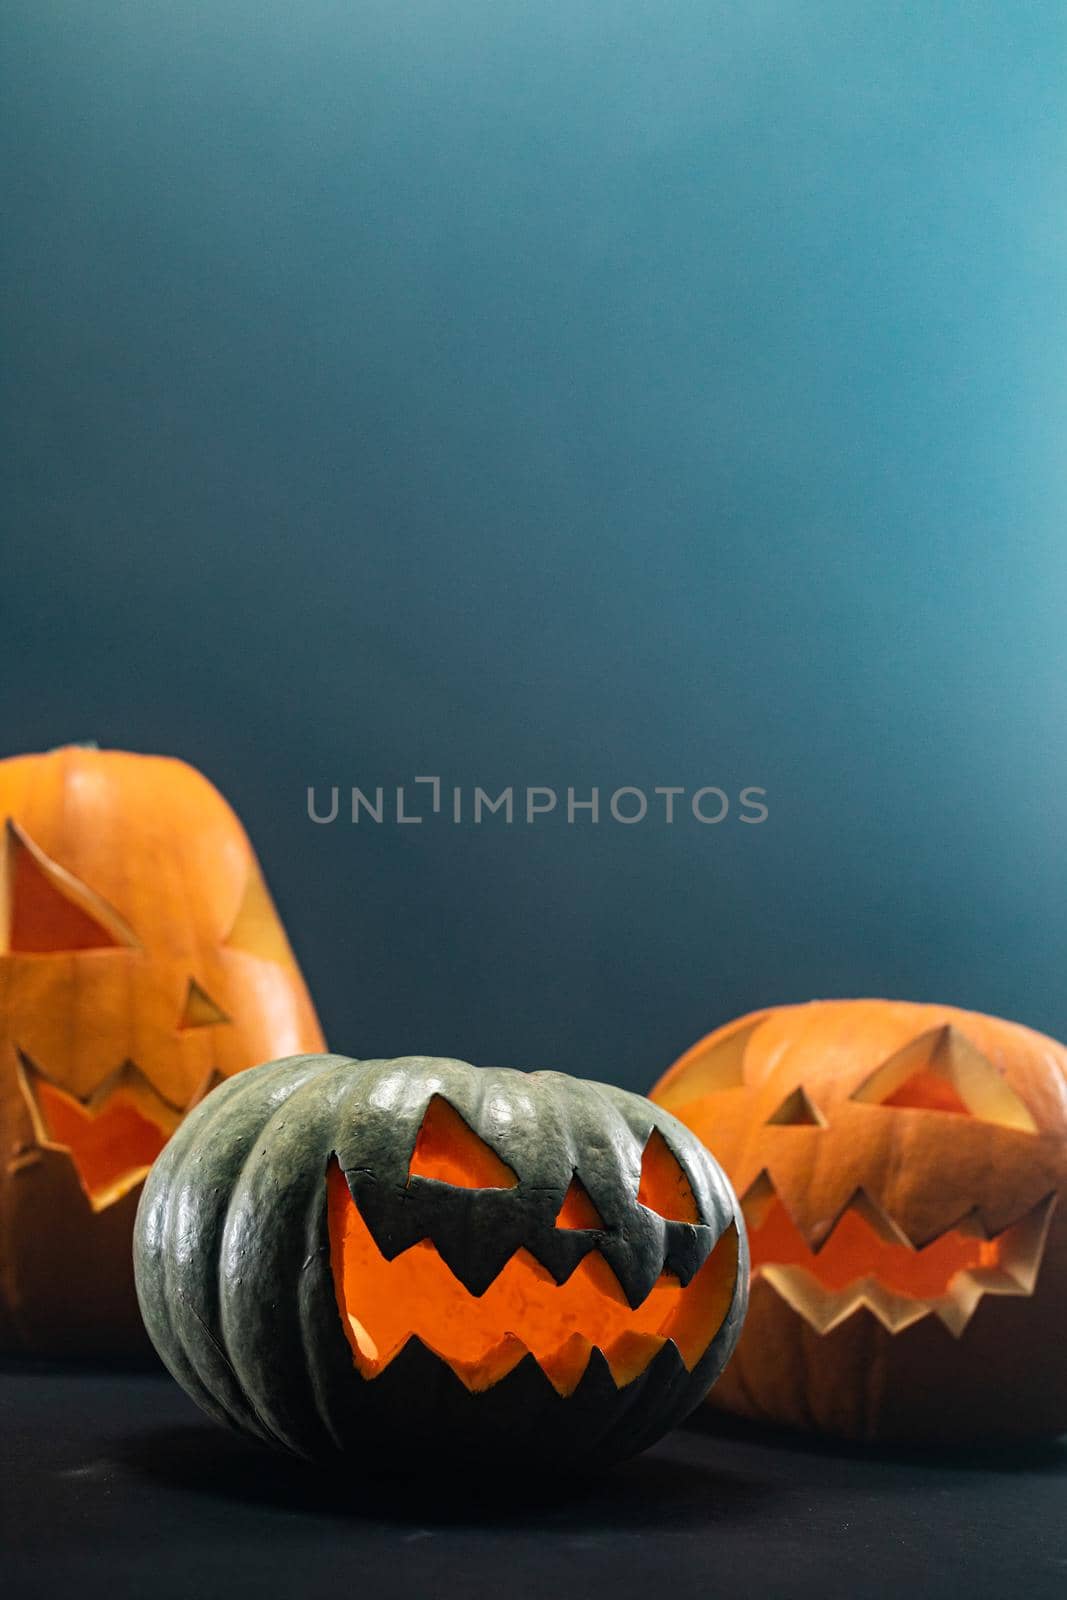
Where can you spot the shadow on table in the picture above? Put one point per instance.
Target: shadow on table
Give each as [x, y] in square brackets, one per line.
[1047, 1455]
[673, 1485]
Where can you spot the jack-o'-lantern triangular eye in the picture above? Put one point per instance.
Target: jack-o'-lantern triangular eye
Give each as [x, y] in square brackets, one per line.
[577, 1210]
[710, 1068]
[451, 1152]
[943, 1071]
[46, 910]
[256, 927]
[199, 1010]
[664, 1186]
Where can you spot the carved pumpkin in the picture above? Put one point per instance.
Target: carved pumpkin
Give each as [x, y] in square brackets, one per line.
[902, 1170]
[394, 1256]
[141, 962]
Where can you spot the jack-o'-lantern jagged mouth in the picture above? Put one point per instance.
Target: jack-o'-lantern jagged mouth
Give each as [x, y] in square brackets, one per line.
[867, 1262]
[524, 1312]
[112, 1136]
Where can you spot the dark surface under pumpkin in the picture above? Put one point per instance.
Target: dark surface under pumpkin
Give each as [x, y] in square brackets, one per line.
[118, 1487]
[412, 1257]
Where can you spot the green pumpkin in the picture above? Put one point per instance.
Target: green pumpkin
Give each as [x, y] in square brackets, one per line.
[411, 1256]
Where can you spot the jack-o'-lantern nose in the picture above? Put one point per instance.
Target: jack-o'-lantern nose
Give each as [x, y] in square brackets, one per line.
[199, 1010]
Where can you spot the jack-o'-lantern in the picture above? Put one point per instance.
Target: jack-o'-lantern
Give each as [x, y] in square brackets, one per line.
[402, 1257]
[902, 1169]
[141, 962]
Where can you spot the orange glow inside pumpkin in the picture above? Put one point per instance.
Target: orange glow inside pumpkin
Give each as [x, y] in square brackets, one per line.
[41, 918]
[384, 1303]
[664, 1186]
[925, 1091]
[855, 1250]
[577, 1210]
[449, 1151]
[111, 1149]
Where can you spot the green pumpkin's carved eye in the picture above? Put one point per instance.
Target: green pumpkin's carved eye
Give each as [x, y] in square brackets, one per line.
[577, 1210]
[664, 1187]
[450, 1151]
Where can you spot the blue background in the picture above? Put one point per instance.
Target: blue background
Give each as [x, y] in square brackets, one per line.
[559, 393]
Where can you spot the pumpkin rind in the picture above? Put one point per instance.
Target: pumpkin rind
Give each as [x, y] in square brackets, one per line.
[234, 1274]
[168, 971]
[930, 1173]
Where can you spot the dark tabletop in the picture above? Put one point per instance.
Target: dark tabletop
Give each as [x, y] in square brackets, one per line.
[115, 1485]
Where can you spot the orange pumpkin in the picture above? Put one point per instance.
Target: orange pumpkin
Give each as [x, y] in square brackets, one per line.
[141, 962]
[902, 1169]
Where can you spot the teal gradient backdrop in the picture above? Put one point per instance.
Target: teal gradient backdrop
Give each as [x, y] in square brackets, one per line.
[560, 393]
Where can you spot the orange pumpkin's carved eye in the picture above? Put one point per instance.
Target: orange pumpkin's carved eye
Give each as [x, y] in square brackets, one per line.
[448, 1150]
[256, 928]
[141, 964]
[943, 1071]
[901, 1169]
[47, 910]
[664, 1186]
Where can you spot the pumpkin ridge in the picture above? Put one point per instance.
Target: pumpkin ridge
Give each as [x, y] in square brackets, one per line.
[179, 1154]
[119, 871]
[270, 1341]
[929, 1201]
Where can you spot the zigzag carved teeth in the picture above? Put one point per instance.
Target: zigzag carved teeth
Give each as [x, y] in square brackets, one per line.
[758, 1199]
[634, 1280]
[627, 1357]
[762, 1194]
[1009, 1266]
[111, 1136]
[127, 1075]
[825, 1308]
[416, 1294]
[862, 1204]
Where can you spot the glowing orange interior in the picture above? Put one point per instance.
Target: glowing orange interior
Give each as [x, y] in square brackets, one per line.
[855, 1250]
[927, 1091]
[448, 1150]
[577, 1210]
[42, 919]
[109, 1148]
[664, 1186]
[383, 1303]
